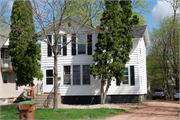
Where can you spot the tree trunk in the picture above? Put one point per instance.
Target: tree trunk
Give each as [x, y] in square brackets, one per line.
[102, 90]
[55, 83]
[107, 87]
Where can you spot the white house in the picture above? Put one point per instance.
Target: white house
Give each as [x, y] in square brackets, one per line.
[77, 86]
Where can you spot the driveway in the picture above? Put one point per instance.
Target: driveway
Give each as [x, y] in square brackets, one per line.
[152, 110]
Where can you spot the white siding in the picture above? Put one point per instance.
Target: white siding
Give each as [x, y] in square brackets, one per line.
[142, 66]
[94, 87]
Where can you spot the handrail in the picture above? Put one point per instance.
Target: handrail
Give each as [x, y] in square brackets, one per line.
[49, 97]
[36, 89]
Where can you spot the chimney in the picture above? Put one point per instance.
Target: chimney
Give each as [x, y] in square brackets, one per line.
[97, 27]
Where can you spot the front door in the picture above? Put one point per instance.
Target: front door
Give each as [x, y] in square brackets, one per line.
[48, 80]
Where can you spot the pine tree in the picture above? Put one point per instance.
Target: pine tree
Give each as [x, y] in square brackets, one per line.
[23, 49]
[113, 45]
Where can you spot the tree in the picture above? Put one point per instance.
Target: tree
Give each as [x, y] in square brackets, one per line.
[50, 20]
[87, 11]
[160, 60]
[114, 44]
[141, 8]
[22, 47]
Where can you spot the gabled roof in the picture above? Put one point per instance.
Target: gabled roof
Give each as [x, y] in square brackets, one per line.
[141, 31]
[4, 35]
[66, 18]
[138, 32]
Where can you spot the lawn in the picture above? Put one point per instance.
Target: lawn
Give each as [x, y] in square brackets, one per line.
[49, 113]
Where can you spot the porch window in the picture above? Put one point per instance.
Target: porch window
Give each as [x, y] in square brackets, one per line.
[5, 78]
[67, 75]
[76, 75]
[49, 77]
[86, 75]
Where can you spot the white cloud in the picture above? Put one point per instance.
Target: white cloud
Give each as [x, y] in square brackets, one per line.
[10, 4]
[161, 10]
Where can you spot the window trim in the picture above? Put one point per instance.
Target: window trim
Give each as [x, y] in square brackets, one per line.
[7, 78]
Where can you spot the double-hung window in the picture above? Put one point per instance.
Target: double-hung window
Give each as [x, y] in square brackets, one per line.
[67, 75]
[82, 38]
[86, 75]
[76, 75]
[59, 43]
[5, 78]
[126, 76]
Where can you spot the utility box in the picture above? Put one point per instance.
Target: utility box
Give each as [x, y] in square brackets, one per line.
[27, 110]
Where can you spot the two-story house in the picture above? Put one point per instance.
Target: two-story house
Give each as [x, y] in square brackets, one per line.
[77, 86]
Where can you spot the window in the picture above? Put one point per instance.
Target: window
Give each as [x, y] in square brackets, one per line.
[76, 75]
[86, 75]
[6, 54]
[16, 85]
[59, 43]
[67, 75]
[125, 76]
[73, 48]
[82, 44]
[49, 52]
[49, 77]
[5, 78]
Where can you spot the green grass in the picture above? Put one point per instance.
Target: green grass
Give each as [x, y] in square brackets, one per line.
[49, 113]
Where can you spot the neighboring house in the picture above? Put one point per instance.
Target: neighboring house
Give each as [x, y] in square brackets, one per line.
[77, 86]
[9, 91]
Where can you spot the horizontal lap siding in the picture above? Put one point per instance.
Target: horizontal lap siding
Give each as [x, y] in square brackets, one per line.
[142, 63]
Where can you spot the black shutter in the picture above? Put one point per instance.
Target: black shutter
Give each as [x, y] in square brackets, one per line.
[64, 42]
[73, 49]
[2, 53]
[90, 44]
[132, 75]
[49, 48]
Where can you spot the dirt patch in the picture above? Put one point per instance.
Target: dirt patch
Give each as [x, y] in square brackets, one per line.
[152, 110]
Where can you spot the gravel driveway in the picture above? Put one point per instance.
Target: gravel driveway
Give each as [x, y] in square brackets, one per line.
[152, 110]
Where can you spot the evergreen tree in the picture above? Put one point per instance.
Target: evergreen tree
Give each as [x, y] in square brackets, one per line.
[114, 44]
[23, 49]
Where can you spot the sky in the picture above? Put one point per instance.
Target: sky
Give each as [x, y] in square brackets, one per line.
[158, 10]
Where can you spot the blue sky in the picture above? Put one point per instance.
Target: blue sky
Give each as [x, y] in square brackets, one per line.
[158, 10]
